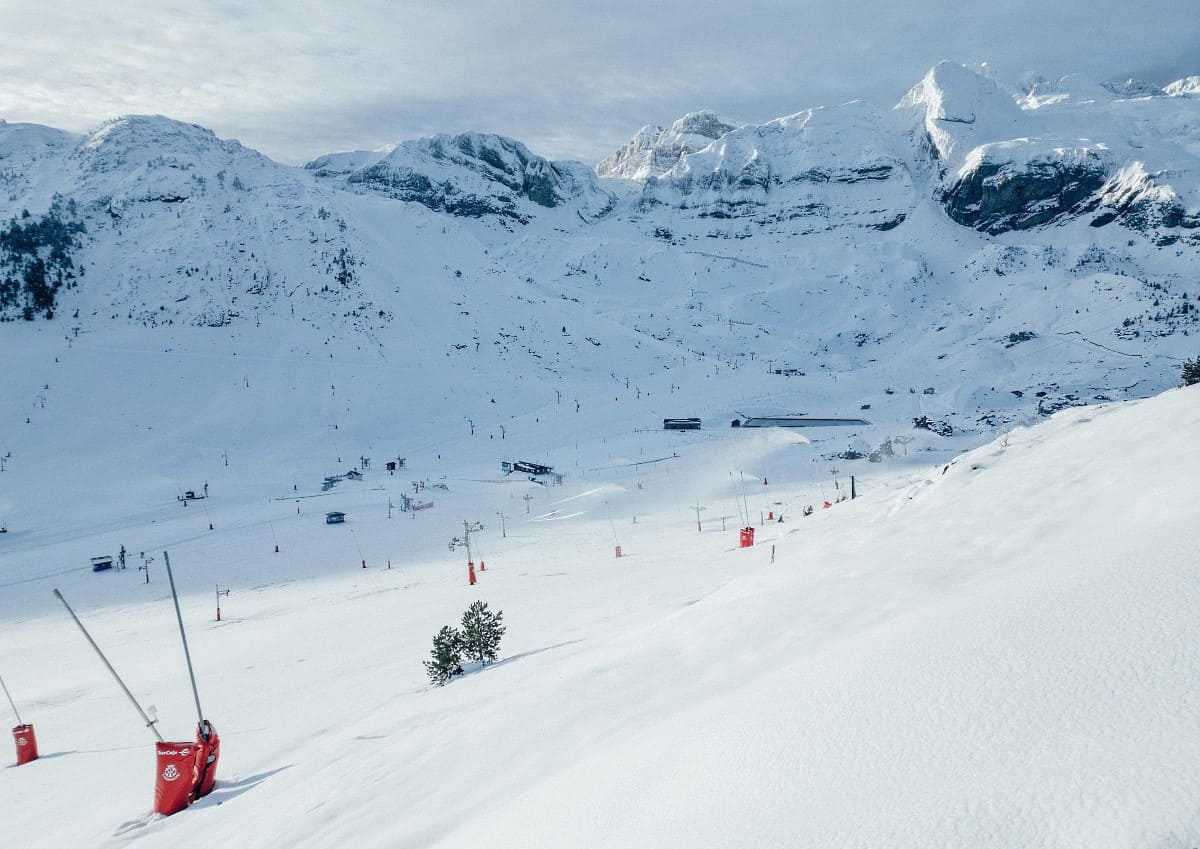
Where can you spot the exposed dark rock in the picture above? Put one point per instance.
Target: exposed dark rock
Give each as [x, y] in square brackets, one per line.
[997, 197]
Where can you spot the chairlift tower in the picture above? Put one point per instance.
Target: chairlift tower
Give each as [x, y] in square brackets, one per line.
[465, 540]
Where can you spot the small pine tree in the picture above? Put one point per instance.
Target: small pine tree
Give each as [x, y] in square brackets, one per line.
[447, 656]
[481, 632]
[1191, 372]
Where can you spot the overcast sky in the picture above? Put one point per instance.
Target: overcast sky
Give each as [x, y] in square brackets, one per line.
[572, 80]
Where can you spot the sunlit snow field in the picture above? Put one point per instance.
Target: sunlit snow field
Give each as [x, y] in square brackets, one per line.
[986, 650]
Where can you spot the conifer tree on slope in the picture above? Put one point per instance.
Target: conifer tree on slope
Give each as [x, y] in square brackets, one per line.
[447, 656]
[1191, 372]
[481, 632]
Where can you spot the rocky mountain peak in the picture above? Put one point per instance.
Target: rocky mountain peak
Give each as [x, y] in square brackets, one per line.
[1185, 86]
[654, 150]
[470, 175]
[703, 123]
[1133, 88]
[956, 105]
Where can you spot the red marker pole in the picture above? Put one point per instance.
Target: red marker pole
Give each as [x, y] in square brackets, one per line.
[220, 592]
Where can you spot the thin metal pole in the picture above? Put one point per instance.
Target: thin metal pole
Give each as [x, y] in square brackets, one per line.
[10, 701]
[149, 722]
[183, 636]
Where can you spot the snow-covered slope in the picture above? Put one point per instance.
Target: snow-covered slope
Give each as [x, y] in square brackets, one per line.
[25, 152]
[183, 227]
[981, 651]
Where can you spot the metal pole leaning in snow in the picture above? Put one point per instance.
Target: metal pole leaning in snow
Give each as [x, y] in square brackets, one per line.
[183, 636]
[23, 734]
[11, 703]
[208, 742]
[149, 722]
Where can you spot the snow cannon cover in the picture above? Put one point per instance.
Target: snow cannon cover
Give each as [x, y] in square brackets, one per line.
[746, 538]
[208, 752]
[175, 778]
[26, 744]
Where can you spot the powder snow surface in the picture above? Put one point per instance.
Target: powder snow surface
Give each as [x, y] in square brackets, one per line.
[989, 650]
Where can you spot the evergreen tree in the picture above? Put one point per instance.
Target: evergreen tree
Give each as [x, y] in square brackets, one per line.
[1191, 371]
[481, 632]
[447, 656]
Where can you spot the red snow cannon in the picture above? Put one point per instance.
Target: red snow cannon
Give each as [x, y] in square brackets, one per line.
[176, 778]
[26, 744]
[208, 751]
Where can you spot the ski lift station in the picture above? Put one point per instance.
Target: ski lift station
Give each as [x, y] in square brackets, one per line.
[335, 517]
[526, 466]
[681, 424]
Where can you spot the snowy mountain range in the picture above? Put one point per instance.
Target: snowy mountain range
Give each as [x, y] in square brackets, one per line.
[927, 245]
